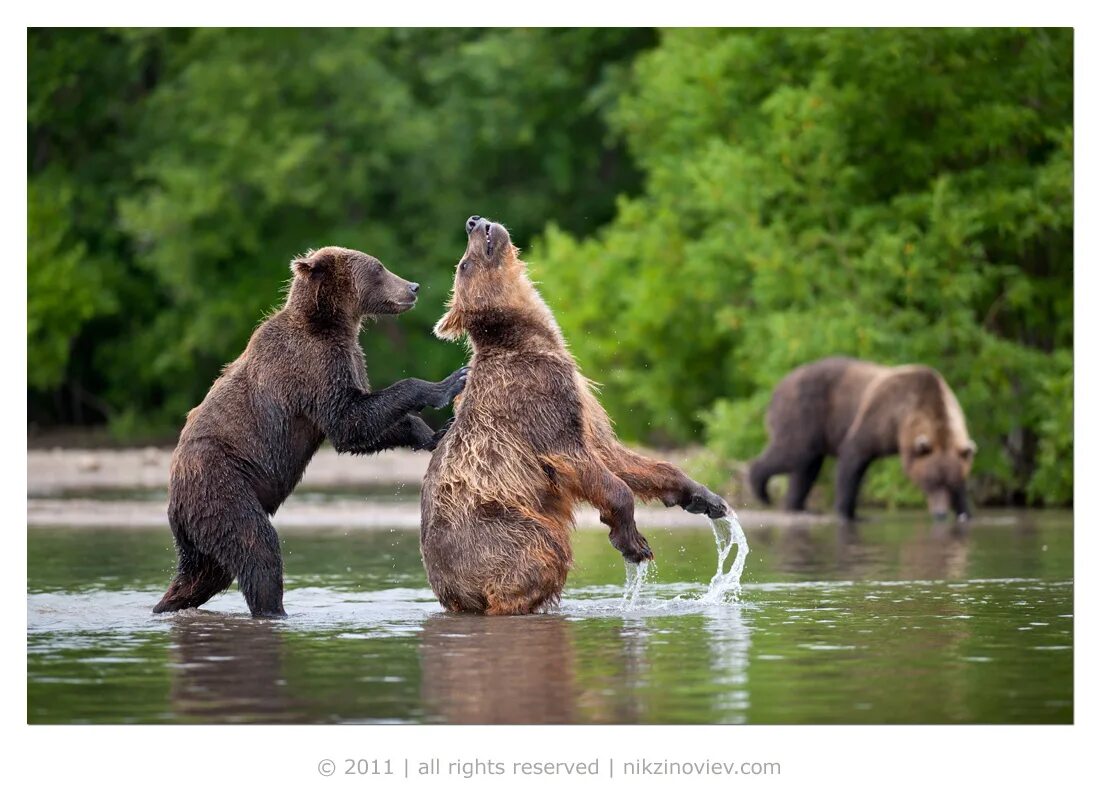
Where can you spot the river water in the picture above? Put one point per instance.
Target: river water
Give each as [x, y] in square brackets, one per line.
[897, 621]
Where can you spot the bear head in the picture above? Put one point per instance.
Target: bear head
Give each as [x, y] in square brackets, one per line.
[937, 457]
[493, 298]
[337, 285]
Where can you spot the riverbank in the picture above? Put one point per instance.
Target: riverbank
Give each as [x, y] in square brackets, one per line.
[127, 489]
[60, 472]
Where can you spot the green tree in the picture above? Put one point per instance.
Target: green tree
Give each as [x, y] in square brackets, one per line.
[175, 173]
[898, 195]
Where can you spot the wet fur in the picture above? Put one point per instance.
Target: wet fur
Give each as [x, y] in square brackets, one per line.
[529, 441]
[301, 379]
[859, 412]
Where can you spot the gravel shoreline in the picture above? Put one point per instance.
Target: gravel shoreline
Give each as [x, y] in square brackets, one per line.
[66, 488]
[59, 471]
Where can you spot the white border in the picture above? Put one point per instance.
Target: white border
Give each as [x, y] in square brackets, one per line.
[906, 764]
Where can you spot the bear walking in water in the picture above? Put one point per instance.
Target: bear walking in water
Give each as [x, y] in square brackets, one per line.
[860, 411]
[301, 380]
[529, 440]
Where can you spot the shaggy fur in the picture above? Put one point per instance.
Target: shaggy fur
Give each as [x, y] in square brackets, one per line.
[859, 412]
[300, 380]
[529, 441]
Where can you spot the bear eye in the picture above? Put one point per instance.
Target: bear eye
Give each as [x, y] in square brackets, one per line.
[966, 453]
[465, 265]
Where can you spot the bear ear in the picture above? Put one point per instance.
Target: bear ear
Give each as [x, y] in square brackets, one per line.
[311, 263]
[922, 446]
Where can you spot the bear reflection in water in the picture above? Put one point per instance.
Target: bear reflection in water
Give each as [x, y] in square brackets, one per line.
[228, 668]
[933, 550]
[498, 670]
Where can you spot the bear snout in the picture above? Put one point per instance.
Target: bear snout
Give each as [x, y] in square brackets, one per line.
[403, 297]
[483, 227]
[485, 236]
[938, 501]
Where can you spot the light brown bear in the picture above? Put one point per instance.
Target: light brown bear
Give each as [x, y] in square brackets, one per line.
[528, 442]
[858, 412]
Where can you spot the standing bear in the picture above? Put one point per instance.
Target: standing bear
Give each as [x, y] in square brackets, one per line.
[528, 442]
[300, 380]
[860, 411]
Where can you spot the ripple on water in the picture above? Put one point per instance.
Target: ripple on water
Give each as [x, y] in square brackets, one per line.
[402, 609]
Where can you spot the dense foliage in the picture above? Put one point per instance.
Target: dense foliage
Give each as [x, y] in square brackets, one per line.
[899, 195]
[173, 174]
[902, 196]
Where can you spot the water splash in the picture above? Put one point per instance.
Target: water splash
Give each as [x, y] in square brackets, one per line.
[727, 533]
[635, 580]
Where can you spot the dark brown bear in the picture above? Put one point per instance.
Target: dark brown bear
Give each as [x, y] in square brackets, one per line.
[859, 411]
[529, 441]
[300, 380]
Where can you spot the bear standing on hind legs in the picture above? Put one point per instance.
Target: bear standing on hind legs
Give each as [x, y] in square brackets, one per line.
[858, 412]
[529, 441]
[301, 380]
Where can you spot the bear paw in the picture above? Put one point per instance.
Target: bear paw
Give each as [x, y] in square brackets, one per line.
[703, 501]
[632, 545]
[437, 437]
[446, 390]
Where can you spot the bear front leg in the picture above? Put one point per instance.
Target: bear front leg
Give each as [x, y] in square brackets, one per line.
[356, 421]
[959, 502]
[650, 479]
[615, 502]
[410, 431]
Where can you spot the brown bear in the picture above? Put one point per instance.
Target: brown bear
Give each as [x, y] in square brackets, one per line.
[860, 411]
[529, 440]
[300, 380]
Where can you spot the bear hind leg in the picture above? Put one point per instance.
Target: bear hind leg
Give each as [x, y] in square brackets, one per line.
[800, 482]
[260, 575]
[198, 579]
[529, 602]
[770, 462]
[533, 584]
[247, 544]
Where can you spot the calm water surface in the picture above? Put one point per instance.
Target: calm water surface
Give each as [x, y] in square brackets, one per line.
[896, 621]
